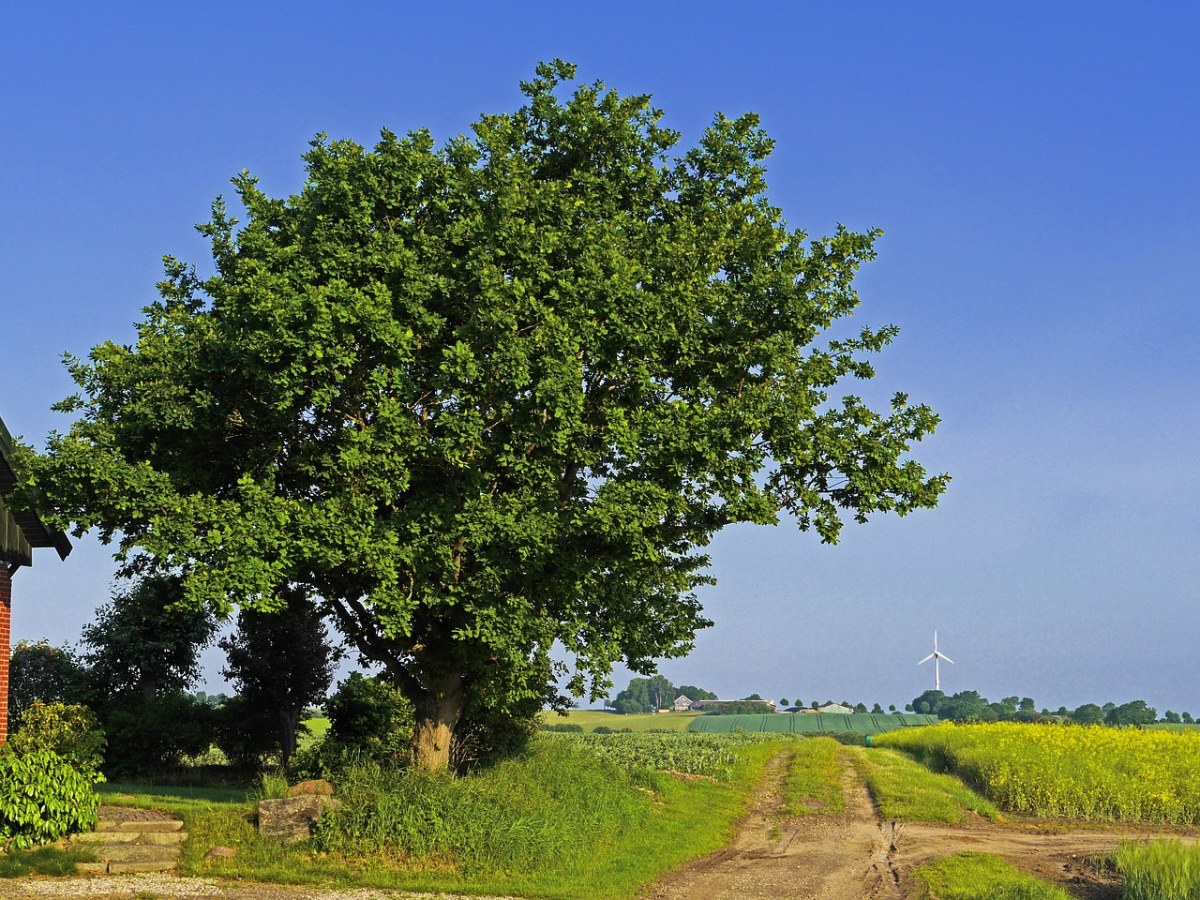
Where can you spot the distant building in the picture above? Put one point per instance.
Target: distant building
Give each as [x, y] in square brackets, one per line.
[682, 703]
[834, 708]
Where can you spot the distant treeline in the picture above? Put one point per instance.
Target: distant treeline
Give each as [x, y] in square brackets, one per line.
[971, 706]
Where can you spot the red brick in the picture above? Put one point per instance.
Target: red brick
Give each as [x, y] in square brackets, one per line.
[5, 651]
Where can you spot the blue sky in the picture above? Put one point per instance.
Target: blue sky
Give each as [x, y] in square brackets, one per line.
[1034, 168]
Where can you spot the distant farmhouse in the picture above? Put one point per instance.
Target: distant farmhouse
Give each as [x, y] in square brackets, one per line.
[20, 533]
[827, 708]
[682, 703]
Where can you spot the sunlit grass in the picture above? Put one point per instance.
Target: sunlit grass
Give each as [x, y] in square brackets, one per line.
[544, 827]
[979, 876]
[813, 783]
[588, 719]
[43, 861]
[1160, 870]
[906, 791]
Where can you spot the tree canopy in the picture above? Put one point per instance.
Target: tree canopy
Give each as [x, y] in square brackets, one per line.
[492, 398]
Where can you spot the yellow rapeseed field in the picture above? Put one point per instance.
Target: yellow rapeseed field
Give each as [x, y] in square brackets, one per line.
[1068, 771]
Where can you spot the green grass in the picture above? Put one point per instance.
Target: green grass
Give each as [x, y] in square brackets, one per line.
[556, 822]
[178, 799]
[590, 718]
[906, 791]
[1159, 870]
[42, 861]
[979, 876]
[813, 783]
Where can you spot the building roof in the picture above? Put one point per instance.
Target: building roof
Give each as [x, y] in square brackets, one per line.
[21, 532]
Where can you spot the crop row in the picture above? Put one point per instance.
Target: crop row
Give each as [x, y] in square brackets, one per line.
[712, 755]
[1097, 773]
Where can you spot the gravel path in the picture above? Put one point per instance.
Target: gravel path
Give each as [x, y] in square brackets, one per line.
[169, 887]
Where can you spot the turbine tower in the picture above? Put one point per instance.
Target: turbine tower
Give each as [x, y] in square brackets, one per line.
[937, 656]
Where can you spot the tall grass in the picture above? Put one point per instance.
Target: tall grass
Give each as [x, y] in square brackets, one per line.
[1159, 870]
[561, 803]
[906, 791]
[979, 876]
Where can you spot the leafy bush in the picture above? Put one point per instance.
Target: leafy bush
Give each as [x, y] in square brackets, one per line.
[369, 720]
[245, 733]
[154, 736]
[566, 728]
[42, 797]
[71, 731]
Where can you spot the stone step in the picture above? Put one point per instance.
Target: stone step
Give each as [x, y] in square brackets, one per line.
[131, 837]
[134, 852]
[139, 825]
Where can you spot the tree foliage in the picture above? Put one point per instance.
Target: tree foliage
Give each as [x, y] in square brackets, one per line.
[39, 671]
[145, 642]
[280, 662]
[492, 397]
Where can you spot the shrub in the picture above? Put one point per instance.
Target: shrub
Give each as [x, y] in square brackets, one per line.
[245, 733]
[42, 797]
[154, 736]
[71, 731]
[567, 728]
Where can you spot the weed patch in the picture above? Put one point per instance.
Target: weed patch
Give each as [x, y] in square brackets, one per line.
[1160, 870]
[979, 876]
[43, 861]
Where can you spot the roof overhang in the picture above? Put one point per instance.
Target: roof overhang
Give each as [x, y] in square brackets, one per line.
[21, 532]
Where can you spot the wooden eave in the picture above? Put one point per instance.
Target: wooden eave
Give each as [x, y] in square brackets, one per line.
[21, 532]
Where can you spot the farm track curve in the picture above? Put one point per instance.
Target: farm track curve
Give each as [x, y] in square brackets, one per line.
[855, 855]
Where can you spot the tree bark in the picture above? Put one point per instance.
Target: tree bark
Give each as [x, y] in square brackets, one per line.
[437, 714]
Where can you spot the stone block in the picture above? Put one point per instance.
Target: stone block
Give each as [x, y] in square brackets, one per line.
[292, 818]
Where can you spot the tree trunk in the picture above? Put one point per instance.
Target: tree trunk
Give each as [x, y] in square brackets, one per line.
[437, 714]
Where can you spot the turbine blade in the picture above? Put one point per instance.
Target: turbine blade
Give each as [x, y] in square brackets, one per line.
[926, 659]
[945, 657]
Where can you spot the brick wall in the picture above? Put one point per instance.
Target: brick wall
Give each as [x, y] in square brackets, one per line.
[5, 652]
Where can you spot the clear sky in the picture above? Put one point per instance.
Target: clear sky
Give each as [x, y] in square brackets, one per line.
[1035, 168]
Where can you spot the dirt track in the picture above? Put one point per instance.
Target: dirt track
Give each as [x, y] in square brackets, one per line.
[856, 856]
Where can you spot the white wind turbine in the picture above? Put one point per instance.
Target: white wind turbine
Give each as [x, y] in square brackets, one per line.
[937, 656]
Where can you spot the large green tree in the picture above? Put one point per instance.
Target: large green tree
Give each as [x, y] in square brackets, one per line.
[492, 397]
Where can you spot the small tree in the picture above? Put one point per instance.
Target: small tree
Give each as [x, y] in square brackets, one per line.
[144, 642]
[280, 662]
[141, 654]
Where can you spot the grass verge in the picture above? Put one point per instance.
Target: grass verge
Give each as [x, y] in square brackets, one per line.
[906, 791]
[43, 861]
[556, 822]
[980, 876]
[1159, 870]
[813, 783]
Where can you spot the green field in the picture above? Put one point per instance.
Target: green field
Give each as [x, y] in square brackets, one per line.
[809, 723]
[588, 719]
